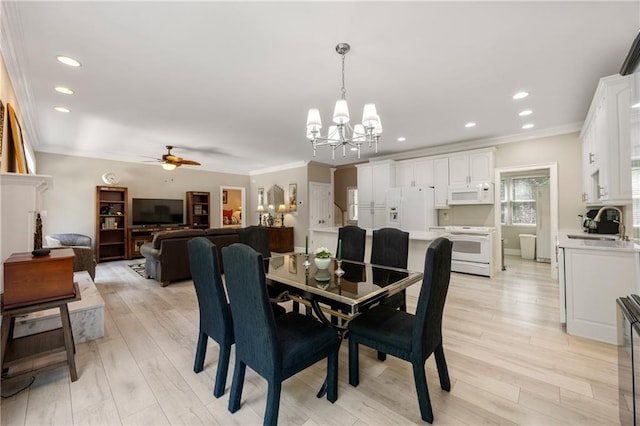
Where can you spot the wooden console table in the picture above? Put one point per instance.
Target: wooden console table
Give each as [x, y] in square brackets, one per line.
[280, 239]
[21, 349]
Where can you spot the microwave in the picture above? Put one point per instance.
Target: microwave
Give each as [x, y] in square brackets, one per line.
[481, 193]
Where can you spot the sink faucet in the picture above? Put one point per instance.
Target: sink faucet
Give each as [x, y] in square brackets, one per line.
[619, 222]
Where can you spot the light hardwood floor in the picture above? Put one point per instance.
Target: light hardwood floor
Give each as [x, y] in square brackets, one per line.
[509, 359]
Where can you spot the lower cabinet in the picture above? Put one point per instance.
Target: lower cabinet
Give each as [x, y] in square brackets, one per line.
[280, 239]
[592, 281]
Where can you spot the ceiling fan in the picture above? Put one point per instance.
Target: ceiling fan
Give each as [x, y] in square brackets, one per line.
[170, 161]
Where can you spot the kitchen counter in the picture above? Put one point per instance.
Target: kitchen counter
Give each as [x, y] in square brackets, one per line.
[602, 242]
[413, 235]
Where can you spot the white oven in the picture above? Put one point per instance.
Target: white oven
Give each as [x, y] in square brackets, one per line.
[472, 249]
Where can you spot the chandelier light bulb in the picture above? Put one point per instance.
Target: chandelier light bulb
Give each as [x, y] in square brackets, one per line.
[314, 123]
[341, 112]
[369, 115]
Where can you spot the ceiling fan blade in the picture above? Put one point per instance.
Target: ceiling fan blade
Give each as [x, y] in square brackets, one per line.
[190, 163]
[173, 158]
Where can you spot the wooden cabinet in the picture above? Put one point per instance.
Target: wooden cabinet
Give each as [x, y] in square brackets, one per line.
[471, 168]
[112, 219]
[281, 239]
[606, 144]
[139, 235]
[198, 209]
[415, 173]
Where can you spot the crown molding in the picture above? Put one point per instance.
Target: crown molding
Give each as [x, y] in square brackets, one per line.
[280, 168]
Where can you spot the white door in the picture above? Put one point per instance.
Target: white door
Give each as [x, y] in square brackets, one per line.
[320, 205]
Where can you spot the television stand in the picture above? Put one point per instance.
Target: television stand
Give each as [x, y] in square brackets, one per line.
[138, 235]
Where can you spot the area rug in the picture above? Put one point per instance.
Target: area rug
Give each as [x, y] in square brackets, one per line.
[138, 268]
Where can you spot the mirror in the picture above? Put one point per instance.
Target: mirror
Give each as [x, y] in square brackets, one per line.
[275, 197]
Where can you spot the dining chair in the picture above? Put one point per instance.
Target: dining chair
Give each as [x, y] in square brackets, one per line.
[390, 247]
[257, 237]
[353, 242]
[410, 337]
[274, 347]
[215, 314]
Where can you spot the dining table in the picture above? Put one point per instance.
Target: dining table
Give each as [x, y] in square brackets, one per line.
[344, 289]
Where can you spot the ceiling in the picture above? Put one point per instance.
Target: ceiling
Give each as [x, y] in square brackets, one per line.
[230, 83]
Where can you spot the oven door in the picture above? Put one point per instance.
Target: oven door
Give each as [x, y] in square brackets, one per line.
[470, 248]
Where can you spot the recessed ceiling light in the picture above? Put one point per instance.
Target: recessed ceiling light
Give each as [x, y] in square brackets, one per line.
[64, 90]
[520, 95]
[61, 109]
[68, 61]
[637, 105]
[402, 139]
[528, 126]
[470, 124]
[525, 113]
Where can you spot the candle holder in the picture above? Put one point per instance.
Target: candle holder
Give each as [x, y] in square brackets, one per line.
[339, 272]
[306, 262]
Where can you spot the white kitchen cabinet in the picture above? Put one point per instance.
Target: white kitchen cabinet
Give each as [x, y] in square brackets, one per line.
[591, 280]
[415, 173]
[374, 179]
[372, 218]
[471, 168]
[606, 144]
[441, 182]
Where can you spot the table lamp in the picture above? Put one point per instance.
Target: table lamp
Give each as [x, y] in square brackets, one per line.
[282, 209]
[260, 211]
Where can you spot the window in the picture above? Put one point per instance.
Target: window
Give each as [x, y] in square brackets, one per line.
[518, 199]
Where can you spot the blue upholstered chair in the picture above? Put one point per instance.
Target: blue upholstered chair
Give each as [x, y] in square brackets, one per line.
[390, 247]
[215, 314]
[274, 347]
[353, 242]
[410, 337]
[257, 237]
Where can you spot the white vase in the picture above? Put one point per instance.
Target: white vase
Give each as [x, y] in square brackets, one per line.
[322, 263]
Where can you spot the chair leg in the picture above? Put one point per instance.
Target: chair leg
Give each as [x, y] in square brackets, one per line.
[443, 372]
[332, 376]
[201, 351]
[354, 363]
[295, 307]
[223, 367]
[423, 391]
[273, 403]
[382, 356]
[236, 386]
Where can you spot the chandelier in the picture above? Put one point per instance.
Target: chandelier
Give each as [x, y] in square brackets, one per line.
[342, 134]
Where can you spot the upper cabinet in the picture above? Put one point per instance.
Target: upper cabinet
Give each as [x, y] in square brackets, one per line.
[606, 145]
[373, 181]
[441, 182]
[471, 168]
[415, 173]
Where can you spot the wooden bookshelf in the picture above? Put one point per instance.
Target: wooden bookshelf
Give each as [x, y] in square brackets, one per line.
[112, 219]
[198, 209]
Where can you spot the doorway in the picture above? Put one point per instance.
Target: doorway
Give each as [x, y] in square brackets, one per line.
[232, 202]
[320, 203]
[550, 169]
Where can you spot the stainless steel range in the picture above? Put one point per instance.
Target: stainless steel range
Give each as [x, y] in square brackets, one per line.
[473, 249]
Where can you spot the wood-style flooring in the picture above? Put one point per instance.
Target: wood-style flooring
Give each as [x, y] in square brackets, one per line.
[510, 362]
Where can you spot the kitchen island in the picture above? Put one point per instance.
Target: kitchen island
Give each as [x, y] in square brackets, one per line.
[418, 243]
[594, 270]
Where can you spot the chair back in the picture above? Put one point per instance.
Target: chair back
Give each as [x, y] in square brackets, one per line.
[254, 324]
[215, 315]
[353, 242]
[427, 332]
[256, 237]
[390, 247]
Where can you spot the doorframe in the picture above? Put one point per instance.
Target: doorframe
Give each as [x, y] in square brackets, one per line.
[553, 210]
[242, 201]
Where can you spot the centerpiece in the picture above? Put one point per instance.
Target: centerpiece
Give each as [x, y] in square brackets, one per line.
[322, 258]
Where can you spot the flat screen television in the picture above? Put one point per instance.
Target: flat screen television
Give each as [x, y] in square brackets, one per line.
[153, 211]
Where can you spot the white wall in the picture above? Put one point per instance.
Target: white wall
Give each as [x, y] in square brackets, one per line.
[71, 204]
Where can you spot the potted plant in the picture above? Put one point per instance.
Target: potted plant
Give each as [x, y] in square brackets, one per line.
[322, 258]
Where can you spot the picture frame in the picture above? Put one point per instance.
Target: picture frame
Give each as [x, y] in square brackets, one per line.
[1, 127]
[224, 196]
[293, 197]
[16, 135]
[261, 196]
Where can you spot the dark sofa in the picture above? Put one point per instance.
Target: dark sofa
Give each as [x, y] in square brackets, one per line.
[167, 256]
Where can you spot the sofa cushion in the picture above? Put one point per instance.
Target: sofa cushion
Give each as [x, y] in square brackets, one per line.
[181, 233]
[52, 242]
[227, 213]
[220, 231]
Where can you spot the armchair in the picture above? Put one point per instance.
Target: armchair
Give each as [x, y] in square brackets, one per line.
[85, 259]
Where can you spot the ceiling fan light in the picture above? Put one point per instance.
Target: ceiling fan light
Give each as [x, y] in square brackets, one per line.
[369, 115]
[341, 112]
[168, 166]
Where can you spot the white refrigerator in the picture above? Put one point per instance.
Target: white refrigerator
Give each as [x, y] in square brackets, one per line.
[411, 208]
